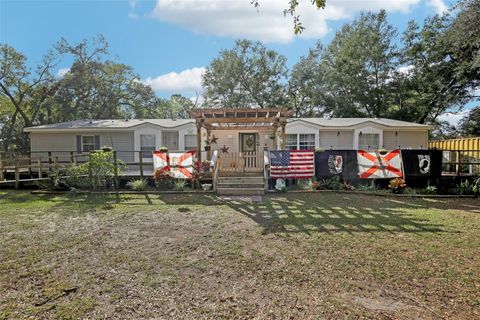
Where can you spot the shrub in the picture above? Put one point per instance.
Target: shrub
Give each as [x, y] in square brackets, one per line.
[102, 168]
[333, 183]
[430, 190]
[163, 180]
[305, 184]
[316, 185]
[180, 184]
[397, 185]
[77, 177]
[138, 185]
[469, 188]
[53, 182]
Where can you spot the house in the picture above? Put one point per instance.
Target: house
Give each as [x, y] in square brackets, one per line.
[234, 130]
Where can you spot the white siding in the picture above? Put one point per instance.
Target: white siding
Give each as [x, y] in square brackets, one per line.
[61, 144]
[231, 138]
[336, 140]
[405, 139]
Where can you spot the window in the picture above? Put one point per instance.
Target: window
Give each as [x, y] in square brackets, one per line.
[291, 141]
[88, 143]
[147, 145]
[170, 140]
[368, 141]
[190, 142]
[306, 141]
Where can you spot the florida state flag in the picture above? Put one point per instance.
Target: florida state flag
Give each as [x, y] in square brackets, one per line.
[373, 165]
[161, 162]
[181, 165]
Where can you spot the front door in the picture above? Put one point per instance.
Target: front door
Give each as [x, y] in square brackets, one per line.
[248, 148]
[248, 142]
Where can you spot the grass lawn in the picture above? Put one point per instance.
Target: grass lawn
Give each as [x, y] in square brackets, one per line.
[302, 256]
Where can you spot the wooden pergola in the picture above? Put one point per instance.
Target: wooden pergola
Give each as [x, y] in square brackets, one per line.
[240, 119]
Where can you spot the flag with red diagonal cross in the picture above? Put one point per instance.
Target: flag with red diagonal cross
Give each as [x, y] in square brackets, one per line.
[181, 165]
[373, 165]
[161, 164]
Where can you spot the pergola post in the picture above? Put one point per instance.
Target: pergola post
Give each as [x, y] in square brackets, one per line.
[209, 151]
[199, 142]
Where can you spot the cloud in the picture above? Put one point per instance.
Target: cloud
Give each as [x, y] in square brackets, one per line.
[132, 15]
[438, 5]
[453, 117]
[62, 72]
[240, 19]
[189, 80]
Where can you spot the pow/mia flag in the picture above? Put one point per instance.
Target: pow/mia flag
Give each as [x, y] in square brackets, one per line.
[422, 163]
[331, 163]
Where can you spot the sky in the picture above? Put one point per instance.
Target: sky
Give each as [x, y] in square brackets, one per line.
[170, 42]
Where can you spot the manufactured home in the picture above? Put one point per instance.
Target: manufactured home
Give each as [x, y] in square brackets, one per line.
[229, 130]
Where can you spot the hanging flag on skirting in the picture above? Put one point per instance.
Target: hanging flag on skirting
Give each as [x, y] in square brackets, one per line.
[292, 164]
[375, 165]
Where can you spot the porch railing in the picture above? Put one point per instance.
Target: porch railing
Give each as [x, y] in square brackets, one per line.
[241, 162]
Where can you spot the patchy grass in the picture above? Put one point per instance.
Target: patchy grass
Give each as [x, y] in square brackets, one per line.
[197, 256]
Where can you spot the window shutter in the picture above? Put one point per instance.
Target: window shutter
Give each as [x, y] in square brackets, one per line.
[79, 144]
[97, 142]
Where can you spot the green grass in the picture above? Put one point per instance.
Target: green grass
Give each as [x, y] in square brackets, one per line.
[322, 255]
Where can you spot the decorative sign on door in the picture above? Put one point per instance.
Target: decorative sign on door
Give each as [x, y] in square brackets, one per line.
[248, 142]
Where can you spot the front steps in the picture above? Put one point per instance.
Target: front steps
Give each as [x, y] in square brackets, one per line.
[241, 185]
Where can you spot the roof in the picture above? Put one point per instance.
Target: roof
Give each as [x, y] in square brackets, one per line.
[110, 124]
[170, 123]
[352, 122]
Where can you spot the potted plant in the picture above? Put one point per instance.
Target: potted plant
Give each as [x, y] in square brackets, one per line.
[397, 185]
[382, 151]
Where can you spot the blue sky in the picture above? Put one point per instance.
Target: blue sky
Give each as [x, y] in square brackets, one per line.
[169, 42]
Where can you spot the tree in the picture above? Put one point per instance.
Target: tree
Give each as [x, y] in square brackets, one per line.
[470, 124]
[177, 107]
[292, 11]
[359, 64]
[306, 85]
[462, 43]
[428, 86]
[27, 90]
[249, 75]
[97, 88]
[93, 88]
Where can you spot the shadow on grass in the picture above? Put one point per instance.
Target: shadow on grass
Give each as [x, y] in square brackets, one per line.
[288, 213]
[336, 213]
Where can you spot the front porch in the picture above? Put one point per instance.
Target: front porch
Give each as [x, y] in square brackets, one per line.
[236, 141]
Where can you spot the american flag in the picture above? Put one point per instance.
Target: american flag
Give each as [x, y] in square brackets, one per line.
[292, 164]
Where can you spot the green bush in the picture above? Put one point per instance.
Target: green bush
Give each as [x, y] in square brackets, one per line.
[469, 188]
[333, 183]
[138, 185]
[53, 182]
[180, 184]
[430, 190]
[77, 177]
